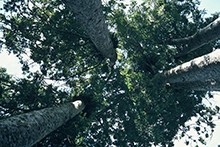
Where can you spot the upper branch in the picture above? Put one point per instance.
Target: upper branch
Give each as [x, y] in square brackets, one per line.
[200, 38]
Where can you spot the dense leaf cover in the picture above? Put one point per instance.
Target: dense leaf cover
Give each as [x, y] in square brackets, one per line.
[130, 107]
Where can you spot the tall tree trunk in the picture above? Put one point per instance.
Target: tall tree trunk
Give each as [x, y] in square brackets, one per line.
[27, 129]
[200, 73]
[200, 38]
[90, 15]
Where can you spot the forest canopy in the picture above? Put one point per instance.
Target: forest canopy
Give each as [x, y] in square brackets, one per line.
[128, 105]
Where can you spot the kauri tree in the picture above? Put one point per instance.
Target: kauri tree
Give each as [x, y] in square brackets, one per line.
[137, 102]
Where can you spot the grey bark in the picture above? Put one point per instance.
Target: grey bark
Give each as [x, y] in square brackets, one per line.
[204, 36]
[27, 129]
[200, 73]
[90, 15]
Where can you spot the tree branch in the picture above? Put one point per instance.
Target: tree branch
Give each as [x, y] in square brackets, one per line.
[204, 36]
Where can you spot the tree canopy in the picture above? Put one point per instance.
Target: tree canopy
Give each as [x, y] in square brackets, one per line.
[128, 105]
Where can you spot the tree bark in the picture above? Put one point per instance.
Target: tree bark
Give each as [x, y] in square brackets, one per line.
[90, 15]
[27, 129]
[200, 73]
[200, 38]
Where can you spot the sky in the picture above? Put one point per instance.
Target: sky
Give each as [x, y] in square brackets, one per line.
[211, 6]
[14, 68]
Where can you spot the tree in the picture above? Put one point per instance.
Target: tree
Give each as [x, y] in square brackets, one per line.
[132, 109]
[29, 128]
[200, 73]
[25, 96]
[90, 15]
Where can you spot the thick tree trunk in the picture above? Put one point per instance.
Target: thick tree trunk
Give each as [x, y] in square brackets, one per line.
[27, 129]
[200, 38]
[200, 73]
[90, 15]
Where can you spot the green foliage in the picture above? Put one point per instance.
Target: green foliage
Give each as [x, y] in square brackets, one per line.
[24, 95]
[131, 108]
[51, 35]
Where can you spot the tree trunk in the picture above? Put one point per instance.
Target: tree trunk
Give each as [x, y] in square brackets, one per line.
[90, 15]
[200, 73]
[27, 129]
[200, 38]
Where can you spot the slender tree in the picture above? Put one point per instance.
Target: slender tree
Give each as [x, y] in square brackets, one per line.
[29, 128]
